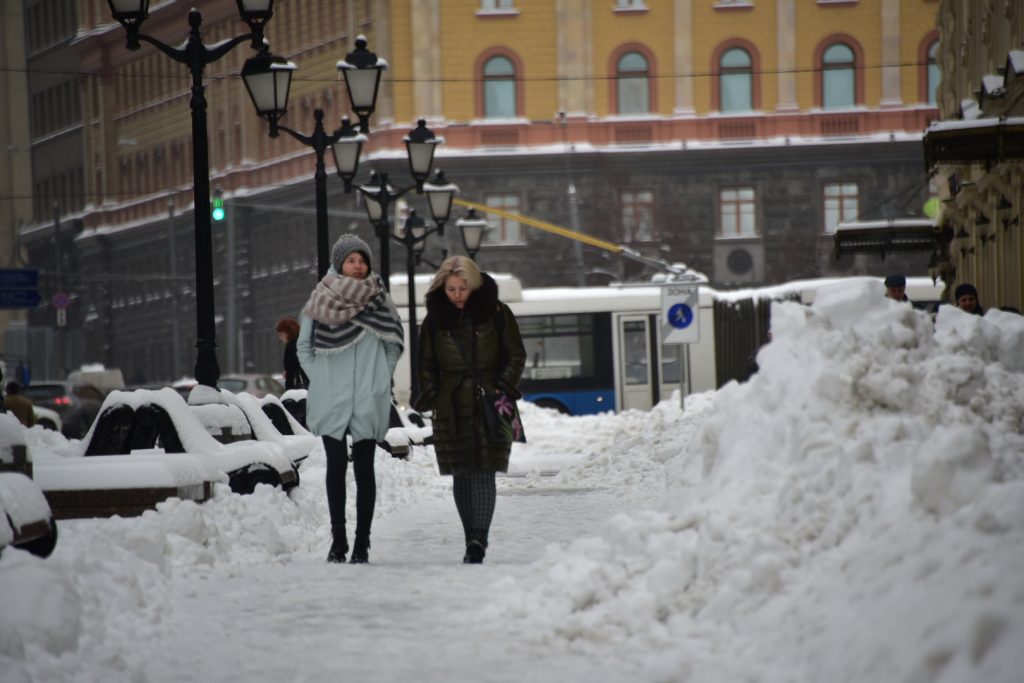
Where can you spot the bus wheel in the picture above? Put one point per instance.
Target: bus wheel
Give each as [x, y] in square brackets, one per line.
[552, 404]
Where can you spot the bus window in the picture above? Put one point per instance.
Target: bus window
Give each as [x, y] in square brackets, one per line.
[635, 352]
[558, 346]
[569, 362]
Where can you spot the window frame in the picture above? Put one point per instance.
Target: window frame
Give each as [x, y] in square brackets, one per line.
[500, 224]
[738, 202]
[640, 207]
[755, 67]
[927, 61]
[481, 82]
[841, 201]
[614, 106]
[858, 70]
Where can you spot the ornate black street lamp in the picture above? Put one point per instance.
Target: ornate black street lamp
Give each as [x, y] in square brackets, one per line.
[196, 55]
[268, 79]
[379, 195]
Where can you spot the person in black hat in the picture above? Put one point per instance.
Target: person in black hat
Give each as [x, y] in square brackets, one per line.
[967, 299]
[896, 288]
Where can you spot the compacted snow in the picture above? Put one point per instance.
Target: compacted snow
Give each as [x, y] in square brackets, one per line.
[855, 512]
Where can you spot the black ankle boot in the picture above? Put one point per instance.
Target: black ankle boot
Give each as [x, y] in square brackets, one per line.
[360, 550]
[339, 545]
[476, 548]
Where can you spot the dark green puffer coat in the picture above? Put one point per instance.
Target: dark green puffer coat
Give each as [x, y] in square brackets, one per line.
[446, 381]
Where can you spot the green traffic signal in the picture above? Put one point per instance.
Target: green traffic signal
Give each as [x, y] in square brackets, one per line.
[217, 212]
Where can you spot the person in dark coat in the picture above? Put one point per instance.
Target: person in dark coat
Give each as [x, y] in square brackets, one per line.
[288, 333]
[18, 405]
[896, 288]
[467, 331]
[967, 299]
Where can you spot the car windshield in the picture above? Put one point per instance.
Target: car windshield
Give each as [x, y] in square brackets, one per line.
[233, 385]
[38, 391]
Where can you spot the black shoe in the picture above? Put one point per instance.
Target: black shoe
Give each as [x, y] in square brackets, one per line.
[474, 553]
[339, 545]
[360, 554]
[337, 552]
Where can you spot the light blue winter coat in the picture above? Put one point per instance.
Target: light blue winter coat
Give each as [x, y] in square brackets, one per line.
[349, 389]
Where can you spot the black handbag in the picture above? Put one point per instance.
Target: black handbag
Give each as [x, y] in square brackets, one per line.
[499, 410]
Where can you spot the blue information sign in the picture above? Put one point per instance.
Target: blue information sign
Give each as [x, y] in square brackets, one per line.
[19, 298]
[19, 278]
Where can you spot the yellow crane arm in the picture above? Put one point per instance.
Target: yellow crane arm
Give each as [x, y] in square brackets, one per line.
[544, 225]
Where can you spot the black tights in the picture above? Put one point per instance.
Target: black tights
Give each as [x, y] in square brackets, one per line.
[366, 482]
[475, 496]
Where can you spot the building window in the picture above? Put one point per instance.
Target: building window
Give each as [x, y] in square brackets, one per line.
[499, 88]
[492, 5]
[738, 211]
[501, 230]
[637, 215]
[630, 4]
[934, 75]
[841, 204]
[736, 81]
[632, 76]
[838, 77]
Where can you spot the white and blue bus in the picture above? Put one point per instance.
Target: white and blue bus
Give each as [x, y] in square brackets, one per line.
[596, 349]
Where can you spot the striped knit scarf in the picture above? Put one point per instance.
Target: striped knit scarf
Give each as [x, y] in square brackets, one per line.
[344, 308]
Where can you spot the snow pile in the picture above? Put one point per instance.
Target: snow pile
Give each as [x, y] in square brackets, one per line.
[854, 512]
[115, 565]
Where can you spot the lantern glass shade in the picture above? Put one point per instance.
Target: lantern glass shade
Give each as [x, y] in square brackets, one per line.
[421, 158]
[346, 155]
[440, 196]
[374, 211]
[258, 7]
[268, 80]
[472, 228]
[132, 8]
[362, 87]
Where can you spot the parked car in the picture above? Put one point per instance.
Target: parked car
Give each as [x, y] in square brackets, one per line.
[76, 403]
[50, 419]
[257, 385]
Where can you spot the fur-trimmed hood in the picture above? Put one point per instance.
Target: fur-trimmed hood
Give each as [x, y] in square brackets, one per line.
[479, 307]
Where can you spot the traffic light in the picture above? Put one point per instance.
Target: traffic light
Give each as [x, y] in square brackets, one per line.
[217, 206]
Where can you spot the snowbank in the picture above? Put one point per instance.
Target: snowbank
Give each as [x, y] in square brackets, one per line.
[854, 512]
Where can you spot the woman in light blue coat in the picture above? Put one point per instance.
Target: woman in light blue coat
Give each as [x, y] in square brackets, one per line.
[349, 343]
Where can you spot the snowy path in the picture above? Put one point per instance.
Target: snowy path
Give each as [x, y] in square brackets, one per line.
[415, 613]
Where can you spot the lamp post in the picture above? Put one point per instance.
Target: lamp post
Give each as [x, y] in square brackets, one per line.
[268, 80]
[413, 234]
[195, 55]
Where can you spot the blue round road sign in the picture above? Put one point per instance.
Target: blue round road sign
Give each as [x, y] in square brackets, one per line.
[680, 316]
[60, 300]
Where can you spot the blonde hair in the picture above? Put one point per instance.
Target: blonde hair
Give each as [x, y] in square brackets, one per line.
[460, 266]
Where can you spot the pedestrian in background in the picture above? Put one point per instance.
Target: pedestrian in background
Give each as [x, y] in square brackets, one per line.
[896, 288]
[288, 333]
[967, 299]
[19, 405]
[349, 343]
[468, 333]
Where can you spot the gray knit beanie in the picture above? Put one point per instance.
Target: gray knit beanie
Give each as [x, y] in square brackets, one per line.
[345, 245]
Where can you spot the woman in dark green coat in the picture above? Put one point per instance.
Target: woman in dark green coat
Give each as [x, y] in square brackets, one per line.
[467, 333]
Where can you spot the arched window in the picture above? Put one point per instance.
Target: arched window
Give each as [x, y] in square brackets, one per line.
[735, 81]
[934, 75]
[838, 77]
[632, 83]
[499, 88]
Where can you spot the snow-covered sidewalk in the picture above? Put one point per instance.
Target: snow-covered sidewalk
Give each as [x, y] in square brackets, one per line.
[853, 513]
